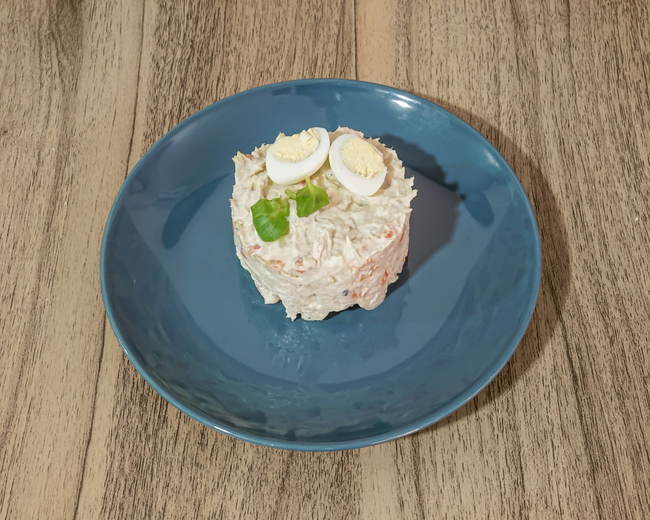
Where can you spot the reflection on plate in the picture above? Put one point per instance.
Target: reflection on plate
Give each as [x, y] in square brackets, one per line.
[192, 323]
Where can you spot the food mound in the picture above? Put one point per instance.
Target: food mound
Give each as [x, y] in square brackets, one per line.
[321, 220]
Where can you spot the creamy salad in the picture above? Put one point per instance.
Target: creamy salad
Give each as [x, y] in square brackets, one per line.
[345, 253]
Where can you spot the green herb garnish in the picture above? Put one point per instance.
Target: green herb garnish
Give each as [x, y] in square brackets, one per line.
[270, 218]
[308, 199]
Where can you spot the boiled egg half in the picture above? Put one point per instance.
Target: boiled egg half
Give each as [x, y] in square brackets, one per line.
[357, 164]
[293, 158]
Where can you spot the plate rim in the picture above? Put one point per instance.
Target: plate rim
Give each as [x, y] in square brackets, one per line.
[424, 422]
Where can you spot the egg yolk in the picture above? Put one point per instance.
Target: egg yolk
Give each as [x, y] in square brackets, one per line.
[294, 148]
[362, 158]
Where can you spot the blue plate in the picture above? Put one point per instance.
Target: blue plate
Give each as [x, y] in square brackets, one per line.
[192, 323]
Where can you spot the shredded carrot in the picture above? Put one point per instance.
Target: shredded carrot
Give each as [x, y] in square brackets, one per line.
[366, 264]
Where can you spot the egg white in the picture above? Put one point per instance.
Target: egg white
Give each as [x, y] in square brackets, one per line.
[287, 173]
[351, 180]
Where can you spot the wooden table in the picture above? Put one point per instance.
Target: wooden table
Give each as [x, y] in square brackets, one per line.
[561, 88]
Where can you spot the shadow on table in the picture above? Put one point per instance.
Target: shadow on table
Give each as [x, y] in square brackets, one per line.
[556, 268]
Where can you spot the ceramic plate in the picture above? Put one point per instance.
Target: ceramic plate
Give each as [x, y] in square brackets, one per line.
[192, 323]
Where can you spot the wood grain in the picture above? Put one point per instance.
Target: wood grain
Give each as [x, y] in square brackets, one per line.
[559, 87]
